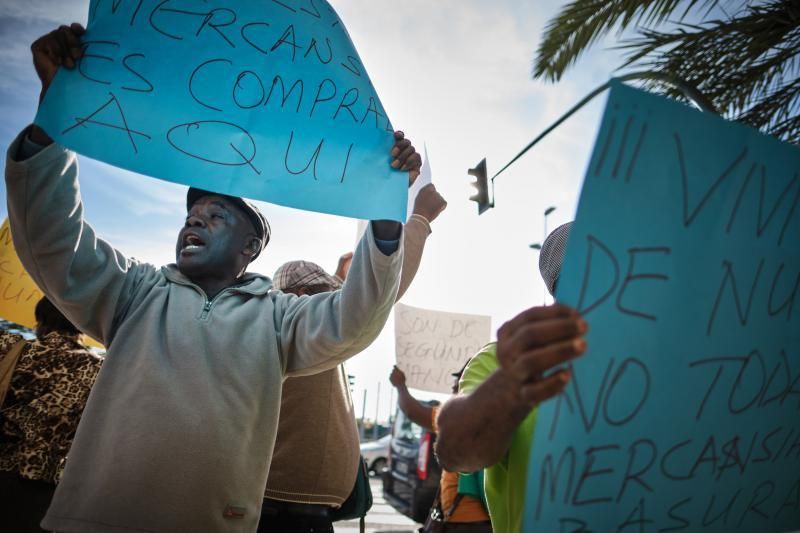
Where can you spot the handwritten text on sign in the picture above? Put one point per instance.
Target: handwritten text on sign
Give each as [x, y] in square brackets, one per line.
[257, 98]
[685, 260]
[18, 293]
[431, 345]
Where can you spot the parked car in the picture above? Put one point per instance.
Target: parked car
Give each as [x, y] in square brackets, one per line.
[411, 480]
[376, 453]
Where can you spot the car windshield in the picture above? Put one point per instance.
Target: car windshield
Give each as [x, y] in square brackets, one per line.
[405, 430]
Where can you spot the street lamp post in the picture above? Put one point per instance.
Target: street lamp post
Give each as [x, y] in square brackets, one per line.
[377, 407]
[363, 414]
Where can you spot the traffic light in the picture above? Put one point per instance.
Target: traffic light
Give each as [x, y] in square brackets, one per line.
[351, 379]
[481, 183]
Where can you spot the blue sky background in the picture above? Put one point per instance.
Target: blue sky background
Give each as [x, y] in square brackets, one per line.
[454, 74]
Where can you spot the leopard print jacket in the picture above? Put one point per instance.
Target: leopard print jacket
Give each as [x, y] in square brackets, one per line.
[48, 392]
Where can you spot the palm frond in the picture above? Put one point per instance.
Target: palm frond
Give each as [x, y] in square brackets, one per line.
[747, 63]
[582, 22]
[746, 66]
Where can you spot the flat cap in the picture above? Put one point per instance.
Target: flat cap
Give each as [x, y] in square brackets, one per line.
[299, 274]
[256, 218]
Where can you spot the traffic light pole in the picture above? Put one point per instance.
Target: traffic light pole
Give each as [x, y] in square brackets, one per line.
[482, 186]
[691, 92]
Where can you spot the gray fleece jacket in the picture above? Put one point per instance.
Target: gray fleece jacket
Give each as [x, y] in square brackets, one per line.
[178, 432]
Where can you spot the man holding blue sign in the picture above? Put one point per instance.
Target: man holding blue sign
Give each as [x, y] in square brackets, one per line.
[490, 425]
[265, 100]
[179, 429]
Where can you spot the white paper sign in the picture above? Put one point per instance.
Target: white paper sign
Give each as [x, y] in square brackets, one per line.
[431, 345]
[425, 177]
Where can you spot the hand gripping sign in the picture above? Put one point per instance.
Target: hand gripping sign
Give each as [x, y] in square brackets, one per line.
[257, 98]
[684, 414]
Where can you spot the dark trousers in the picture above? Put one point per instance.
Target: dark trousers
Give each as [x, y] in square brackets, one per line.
[468, 527]
[289, 517]
[23, 503]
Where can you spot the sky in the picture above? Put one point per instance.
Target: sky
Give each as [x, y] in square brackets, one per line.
[452, 74]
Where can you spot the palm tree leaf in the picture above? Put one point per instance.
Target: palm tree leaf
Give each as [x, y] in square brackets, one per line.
[581, 22]
[747, 65]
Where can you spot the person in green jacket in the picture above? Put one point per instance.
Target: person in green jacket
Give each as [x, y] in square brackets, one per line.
[490, 424]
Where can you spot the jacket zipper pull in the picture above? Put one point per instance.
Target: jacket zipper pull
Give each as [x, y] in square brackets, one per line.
[206, 309]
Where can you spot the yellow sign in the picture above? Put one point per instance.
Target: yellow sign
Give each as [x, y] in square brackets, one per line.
[18, 292]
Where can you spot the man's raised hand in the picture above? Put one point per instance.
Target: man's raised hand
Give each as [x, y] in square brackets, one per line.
[429, 203]
[60, 47]
[405, 157]
[397, 378]
[534, 343]
[343, 267]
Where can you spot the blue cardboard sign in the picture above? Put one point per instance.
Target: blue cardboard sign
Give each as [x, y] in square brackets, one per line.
[265, 99]
[684, 414]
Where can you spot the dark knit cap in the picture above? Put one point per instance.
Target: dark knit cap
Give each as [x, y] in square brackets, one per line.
[552, 255]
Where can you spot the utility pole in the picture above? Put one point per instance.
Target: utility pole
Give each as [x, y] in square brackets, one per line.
[377, 406]
[391, 407]
[363, 412]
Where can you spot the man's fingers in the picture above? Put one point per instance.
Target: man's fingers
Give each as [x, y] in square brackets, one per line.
[543, 333]
[413, 161]
[74, 42]
[69, 46]
[534, 363]
[397, 150]
[405, 154]
[441, 207]
[37, 45]
[40, 49]
[544, 389]
[62, 46]
[48, 46]
[535, 314]
[535, 328]
[399, 146]
[405, 157]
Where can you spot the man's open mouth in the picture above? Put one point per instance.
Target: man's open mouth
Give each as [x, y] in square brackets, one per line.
[191, 243]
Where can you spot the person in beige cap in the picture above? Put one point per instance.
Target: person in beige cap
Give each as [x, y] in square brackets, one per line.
[307, 278]
[316, 455]
[490, 423]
